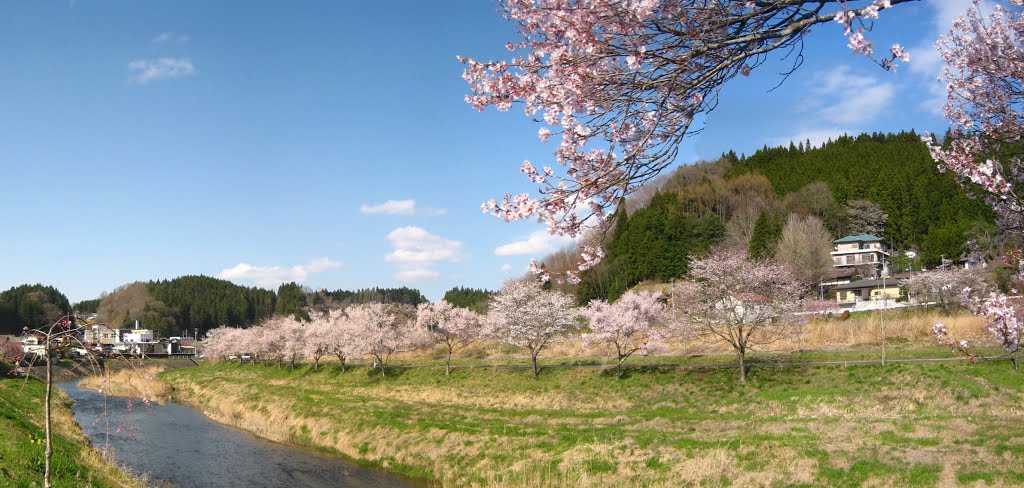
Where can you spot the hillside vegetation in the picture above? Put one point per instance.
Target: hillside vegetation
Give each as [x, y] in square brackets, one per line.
[884, 184]
[32, 306]
[925, 207]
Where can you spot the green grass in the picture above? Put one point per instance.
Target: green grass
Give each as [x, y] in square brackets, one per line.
[74, 463]
[897, 424]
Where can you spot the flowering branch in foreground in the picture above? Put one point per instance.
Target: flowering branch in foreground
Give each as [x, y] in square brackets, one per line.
[619, 83]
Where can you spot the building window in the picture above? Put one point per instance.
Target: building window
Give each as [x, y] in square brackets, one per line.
[850, 260]
[871, 258]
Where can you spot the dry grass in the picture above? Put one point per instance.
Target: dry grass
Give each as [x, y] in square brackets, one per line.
[131, 382]
[898, 326]
[902, 328]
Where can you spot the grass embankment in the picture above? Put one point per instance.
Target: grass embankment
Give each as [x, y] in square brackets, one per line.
[131, 382]
[894, 425]
[22, 441]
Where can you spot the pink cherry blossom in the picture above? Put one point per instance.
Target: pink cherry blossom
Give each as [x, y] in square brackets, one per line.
[525, 315]
[743, 302]
[985, 76]
[380, 330]
[620, 83]
[634, 324]
[452, 326]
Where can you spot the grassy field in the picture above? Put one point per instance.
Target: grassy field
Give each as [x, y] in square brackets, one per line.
[894, 425]
[75, 464]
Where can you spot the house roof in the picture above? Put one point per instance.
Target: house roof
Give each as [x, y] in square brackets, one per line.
[861, 284]
[858, 238]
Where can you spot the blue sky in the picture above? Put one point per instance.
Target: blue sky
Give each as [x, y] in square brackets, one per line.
[328, 142]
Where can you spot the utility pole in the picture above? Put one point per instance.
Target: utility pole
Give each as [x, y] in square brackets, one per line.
[881, 313]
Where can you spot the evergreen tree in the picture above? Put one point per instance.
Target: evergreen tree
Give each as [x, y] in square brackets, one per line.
[32, 306]
[656, 242]
[87, 306]
[291, 300]
[765, 238]
[470, 298]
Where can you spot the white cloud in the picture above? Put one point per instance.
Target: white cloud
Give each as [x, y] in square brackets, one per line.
[948, 10]
[853, 98]
[537, 243]
[925, 60]
[170, 37]
[416, 274]
[147, 70]
[924, 57]
[272, 276]
[400, 207]
[416, 252]
[506, 267]
[848, 100]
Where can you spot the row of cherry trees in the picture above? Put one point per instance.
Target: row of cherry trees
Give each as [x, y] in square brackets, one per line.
[731, 298]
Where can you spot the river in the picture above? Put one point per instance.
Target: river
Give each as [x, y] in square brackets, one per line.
[176, 444]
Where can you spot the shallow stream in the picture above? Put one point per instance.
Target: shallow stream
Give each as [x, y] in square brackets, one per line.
[178, 445]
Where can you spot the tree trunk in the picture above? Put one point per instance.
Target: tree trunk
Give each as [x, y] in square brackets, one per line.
[743, 367]
[618, 368]
[536, 371]
[1015, 357]
[448, 363]
[49, 439]
[316, 363]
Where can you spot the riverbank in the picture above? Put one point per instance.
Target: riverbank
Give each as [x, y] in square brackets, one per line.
[902, 425]
[131, 382]
[22, 442]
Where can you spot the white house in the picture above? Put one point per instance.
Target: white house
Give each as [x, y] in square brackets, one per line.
[859, 250]
[137, 336]
[33, 345]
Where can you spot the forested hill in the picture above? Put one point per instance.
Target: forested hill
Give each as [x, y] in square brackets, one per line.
[31, 305]
[882, 184]
[182, 305]
[894, 171]
[403, 295]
